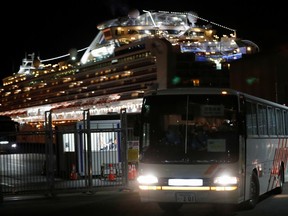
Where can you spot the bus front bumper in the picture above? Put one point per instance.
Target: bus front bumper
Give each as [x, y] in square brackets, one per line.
[217, 195]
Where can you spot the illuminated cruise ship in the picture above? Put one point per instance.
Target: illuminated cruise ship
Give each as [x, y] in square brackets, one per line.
[155, 49]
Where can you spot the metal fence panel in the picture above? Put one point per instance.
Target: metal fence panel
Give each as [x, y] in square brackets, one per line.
[25, 168]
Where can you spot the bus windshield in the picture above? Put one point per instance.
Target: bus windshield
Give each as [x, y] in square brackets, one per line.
[193, 129]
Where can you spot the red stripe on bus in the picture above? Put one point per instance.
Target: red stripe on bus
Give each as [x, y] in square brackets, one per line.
[210, 169]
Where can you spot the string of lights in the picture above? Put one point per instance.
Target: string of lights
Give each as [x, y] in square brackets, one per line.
[62, 56]
[213, 23]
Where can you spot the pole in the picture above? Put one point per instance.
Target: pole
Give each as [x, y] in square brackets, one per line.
[49, 153]
[87, 128]
[124, 147]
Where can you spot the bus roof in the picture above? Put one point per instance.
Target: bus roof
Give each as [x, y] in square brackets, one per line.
[184, 91]
[211, 90]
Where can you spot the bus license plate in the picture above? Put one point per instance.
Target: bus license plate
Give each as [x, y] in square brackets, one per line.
[185, 197]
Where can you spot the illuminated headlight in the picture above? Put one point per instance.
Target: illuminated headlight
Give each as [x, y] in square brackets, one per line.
[147, 179]
[14, 145]
[225, 180]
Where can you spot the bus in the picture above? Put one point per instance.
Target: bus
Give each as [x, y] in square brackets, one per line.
[8, 134]
[210, 145]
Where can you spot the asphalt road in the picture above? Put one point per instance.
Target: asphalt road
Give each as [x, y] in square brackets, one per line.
[126, 203]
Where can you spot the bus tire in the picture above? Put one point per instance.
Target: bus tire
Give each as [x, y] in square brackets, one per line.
[279, 189]
[254, 192]
[170, 207]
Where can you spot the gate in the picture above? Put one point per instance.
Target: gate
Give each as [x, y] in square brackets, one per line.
[77, 157]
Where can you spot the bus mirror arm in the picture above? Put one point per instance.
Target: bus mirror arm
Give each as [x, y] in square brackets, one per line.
[241, 123]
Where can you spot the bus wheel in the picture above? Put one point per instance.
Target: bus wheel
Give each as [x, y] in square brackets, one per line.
[279, 189]
[170, 207]
[254, 192]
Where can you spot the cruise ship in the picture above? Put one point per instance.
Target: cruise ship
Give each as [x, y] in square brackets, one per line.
[128, 56]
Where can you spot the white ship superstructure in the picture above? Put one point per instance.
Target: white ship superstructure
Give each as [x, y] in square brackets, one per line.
[128, 55]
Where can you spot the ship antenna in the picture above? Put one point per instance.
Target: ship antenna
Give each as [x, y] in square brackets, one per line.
[150, 17]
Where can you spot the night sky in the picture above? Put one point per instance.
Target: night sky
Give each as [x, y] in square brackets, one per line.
[52, 28]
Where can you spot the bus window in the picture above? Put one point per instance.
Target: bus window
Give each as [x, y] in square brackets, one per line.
[189, 125]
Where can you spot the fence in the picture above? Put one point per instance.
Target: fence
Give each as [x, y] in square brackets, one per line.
[76, 157]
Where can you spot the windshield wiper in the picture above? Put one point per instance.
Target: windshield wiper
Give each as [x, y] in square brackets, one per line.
[188, 161]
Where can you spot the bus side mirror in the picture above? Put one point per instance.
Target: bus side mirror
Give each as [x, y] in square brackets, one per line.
[136, 128]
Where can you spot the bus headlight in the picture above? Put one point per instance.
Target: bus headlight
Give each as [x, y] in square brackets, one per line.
[147, 179]
[225, 180]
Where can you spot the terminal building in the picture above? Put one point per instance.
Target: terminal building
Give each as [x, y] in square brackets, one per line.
[263, 74]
